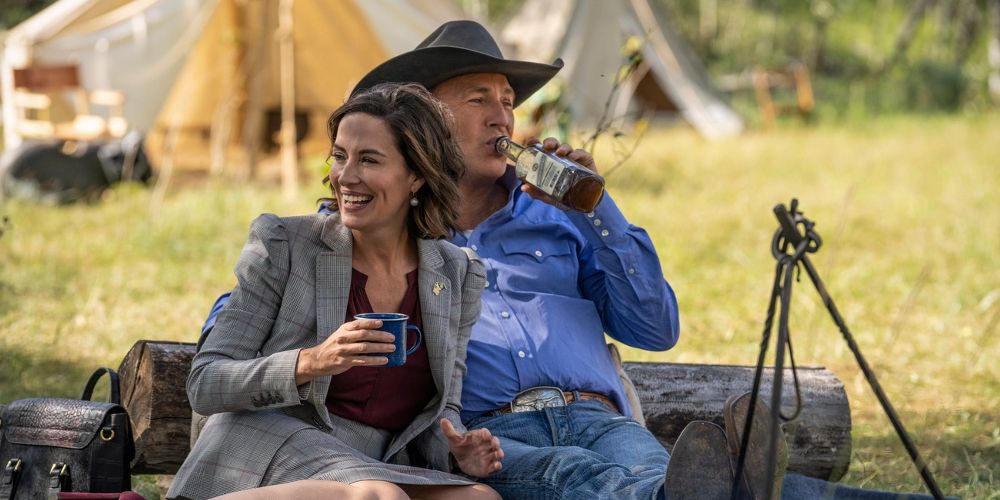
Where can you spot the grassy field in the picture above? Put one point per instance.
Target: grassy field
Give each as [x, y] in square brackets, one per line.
[909, 211]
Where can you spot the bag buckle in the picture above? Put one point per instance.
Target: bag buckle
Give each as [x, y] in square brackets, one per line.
[58, 474]
[11, 471]
[58, 469]
[13, 465]
[537, 398]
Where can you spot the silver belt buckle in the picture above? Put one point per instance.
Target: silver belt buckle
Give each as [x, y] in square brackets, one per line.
[537, 398]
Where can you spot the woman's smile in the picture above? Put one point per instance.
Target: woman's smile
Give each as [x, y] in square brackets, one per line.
[370, 176]
[354, 201]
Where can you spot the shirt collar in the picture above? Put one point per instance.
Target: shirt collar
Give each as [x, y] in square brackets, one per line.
[512, 185]
[509, 179]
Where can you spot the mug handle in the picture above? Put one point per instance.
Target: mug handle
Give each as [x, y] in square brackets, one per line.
[419, 338]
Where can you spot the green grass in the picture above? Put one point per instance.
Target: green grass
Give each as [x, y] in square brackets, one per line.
[908, 209]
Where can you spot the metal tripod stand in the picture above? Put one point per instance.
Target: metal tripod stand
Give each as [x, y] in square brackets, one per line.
[794, 239]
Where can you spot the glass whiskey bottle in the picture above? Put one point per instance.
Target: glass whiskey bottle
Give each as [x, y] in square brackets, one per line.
[574, 185]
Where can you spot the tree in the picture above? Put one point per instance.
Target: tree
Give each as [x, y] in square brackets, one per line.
[905, 35]
[994, 50]
[12, 12]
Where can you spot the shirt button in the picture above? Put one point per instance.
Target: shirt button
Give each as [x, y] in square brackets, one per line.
[520, 354]
[487, 285]
[631, 270]
[538, 253]
[505, 315]
[475, 248]
[591, 215]
[597, 222]
[604, 232]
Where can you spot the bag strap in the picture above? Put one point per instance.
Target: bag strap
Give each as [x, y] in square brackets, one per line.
[59, 480]
[88, 390]
[8, 483]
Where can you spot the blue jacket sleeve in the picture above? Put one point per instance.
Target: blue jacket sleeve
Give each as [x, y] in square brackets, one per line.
[213, 315]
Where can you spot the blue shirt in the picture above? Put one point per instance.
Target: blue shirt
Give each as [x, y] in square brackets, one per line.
[556, 282]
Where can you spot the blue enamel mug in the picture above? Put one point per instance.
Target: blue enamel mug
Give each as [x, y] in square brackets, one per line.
[395, 324]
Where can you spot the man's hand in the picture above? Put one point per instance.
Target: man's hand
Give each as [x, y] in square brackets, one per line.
[477, 452]
[551, 145]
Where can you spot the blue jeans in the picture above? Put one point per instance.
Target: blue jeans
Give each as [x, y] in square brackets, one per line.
[587, 451]
[580, 451]
[797, 487]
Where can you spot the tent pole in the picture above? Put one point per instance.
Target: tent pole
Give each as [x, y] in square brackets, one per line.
[254, 70]
[289, 153]
[16, 53]
[222, 117]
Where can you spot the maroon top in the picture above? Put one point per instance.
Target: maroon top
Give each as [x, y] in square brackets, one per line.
[384, 397]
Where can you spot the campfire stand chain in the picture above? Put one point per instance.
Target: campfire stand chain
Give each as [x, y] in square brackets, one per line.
[790, 248]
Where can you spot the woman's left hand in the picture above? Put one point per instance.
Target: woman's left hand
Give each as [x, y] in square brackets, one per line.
[478, 453]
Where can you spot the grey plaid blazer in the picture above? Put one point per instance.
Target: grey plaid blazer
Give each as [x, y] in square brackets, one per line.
[294, 276]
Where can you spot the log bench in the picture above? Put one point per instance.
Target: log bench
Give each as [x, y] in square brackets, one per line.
[153, 376]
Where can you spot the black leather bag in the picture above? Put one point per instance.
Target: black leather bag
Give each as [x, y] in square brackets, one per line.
[48, 445]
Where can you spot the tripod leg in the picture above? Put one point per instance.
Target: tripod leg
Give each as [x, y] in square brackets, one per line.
[897, 424]
[758, 375]
[774, 431]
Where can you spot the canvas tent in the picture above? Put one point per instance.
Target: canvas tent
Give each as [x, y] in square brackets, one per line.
[208, 71]
[589, 36]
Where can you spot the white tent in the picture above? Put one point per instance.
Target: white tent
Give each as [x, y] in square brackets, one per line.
[589, 36]
[209, 70]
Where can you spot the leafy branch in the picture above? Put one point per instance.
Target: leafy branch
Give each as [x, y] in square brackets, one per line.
[607, 124]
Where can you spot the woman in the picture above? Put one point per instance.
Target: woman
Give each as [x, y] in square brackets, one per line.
[300, 405]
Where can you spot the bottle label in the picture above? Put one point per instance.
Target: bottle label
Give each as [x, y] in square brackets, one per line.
[553, 175]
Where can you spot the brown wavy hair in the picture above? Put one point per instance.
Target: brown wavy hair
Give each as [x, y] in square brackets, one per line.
[421, 125]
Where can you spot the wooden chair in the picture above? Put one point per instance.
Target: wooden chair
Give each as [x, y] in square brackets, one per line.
[38, 92]
[794, 77]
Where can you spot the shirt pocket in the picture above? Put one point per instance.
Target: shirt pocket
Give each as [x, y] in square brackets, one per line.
[539, 266]
[540, 251]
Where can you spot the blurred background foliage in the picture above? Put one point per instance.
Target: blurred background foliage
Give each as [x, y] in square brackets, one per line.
[13, 12]
[866, 56]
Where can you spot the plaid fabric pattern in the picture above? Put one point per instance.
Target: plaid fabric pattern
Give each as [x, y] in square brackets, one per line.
[293, 281]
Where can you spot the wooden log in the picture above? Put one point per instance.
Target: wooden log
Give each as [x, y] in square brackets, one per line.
[153, 377]
[819, 440]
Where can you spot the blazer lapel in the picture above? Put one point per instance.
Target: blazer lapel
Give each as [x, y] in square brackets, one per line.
[435, 290]
[435, 308]
[333, 284]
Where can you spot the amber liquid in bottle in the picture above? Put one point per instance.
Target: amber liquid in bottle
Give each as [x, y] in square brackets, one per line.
[572, 184]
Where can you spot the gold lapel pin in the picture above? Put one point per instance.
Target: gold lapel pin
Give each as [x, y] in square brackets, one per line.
[438, 286]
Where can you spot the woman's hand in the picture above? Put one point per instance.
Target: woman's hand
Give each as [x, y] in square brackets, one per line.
[478, 453]
[349, 346]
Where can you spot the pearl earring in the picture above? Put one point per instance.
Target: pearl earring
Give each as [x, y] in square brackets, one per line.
[414, 201]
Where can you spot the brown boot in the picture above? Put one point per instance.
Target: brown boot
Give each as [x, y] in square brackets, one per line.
[754, 482]
[699, 466]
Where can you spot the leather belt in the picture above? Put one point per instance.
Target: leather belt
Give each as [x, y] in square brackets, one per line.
[537, 398]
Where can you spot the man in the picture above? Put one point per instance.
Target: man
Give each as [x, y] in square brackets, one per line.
[557, 280]
[539, 373]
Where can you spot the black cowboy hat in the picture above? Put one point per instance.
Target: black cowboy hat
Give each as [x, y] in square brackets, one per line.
[459, 48]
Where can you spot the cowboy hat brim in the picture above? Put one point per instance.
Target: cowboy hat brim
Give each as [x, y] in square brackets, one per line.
[433, 65]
